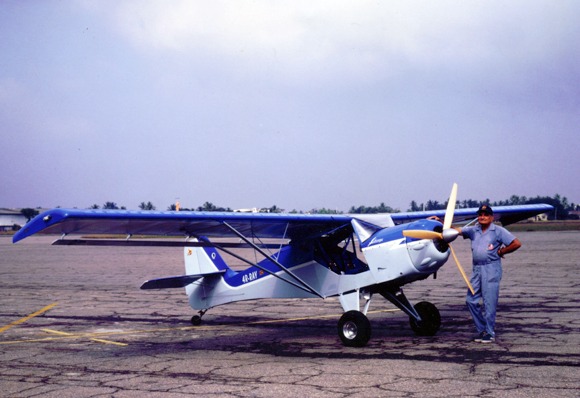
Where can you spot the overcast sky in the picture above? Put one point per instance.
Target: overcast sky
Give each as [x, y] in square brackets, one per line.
[299, 104]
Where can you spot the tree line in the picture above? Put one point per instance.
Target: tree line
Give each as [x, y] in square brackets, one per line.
[562, 207]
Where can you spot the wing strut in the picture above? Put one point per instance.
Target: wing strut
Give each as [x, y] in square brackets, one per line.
[231, 253]
[273, 260]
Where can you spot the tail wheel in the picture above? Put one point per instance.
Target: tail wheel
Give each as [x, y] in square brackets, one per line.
[430, 319]
[196, 319]
[354, 329]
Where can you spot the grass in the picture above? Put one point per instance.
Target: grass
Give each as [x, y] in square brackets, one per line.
[546, 226]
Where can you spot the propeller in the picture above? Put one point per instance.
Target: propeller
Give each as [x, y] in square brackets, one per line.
[448, 235]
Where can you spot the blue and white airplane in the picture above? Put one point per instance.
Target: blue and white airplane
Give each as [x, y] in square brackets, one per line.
[351, 257]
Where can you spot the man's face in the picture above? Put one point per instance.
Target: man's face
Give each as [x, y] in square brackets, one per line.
[484, 218]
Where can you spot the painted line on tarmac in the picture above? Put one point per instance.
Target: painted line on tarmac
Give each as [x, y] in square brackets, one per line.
[93, 339]
[28, 317]
[94, 335]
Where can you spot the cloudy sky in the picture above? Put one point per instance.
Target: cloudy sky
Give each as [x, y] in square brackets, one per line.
[300, 104]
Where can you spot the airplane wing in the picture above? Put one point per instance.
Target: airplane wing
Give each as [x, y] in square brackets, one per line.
[504, 214]
[182, 224]
[231, 225]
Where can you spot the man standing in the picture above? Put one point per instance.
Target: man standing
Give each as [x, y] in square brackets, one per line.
[489, 243]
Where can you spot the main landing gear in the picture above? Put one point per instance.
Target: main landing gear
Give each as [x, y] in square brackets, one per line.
[354, 328]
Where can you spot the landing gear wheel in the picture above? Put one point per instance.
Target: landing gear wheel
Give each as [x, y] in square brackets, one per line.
[354, 329]
[196, 319]
[430, 319]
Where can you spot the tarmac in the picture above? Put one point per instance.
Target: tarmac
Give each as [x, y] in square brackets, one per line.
[74, 323]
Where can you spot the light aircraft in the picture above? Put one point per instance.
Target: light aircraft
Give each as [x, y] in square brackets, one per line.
[301, 255]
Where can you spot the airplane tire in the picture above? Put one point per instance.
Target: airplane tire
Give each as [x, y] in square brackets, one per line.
[196, 320]
[431, 319]
[354, 329]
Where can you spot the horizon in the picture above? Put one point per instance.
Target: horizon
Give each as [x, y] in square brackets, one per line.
[225, 206]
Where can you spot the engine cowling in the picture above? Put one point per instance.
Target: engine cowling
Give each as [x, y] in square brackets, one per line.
[392, 256]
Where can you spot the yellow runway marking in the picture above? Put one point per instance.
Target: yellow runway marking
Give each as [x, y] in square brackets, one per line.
[26, 318]
[110, 342]
[76, 335]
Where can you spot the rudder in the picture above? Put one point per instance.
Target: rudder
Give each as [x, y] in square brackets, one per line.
[203, 260]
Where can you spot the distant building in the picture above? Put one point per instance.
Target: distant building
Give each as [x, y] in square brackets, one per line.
[11, 217]
[253, 210]
[539, 217]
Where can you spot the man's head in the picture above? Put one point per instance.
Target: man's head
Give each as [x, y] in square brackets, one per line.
[485, 209]
[485, 216]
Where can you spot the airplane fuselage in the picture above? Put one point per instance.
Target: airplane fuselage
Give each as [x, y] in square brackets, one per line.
[389, 258]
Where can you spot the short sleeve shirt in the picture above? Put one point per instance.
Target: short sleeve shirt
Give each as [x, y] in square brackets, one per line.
[484, 245]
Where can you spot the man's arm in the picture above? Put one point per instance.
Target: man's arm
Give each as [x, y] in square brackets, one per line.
[441, 221]
[512, 247]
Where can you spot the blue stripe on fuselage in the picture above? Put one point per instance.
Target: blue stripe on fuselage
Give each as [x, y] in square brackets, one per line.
[288, 256]
[396, 232]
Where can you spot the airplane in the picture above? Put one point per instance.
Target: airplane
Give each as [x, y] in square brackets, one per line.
[349, 256]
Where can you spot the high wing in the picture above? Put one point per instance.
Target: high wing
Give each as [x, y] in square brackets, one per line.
[504, 214]
[183, 224]
[231, 225]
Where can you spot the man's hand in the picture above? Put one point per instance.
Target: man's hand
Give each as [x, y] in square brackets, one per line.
[512, 247]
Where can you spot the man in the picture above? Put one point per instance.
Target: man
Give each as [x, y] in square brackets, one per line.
[489, 244]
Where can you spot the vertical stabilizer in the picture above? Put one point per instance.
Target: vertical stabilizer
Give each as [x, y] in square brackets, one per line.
[203, 260]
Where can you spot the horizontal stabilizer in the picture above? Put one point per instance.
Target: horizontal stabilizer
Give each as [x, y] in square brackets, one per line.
[175, 281]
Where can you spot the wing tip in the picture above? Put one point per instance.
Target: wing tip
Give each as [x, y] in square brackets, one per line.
[39, 223]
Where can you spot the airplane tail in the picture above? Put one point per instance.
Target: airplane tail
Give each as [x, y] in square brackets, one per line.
[200, 262]
[203, 260]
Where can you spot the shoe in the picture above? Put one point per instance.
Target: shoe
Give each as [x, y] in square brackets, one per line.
[477, 338]
[487, 338]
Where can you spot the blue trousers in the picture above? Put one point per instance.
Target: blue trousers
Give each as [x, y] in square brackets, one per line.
[485, 281]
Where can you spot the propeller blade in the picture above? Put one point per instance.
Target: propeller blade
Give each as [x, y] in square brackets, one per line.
[422, 234]
[450, 208]
[461, 270]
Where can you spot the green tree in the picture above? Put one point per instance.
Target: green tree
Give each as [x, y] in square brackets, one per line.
[434, 205]
[29, 213]
[414, 206]
[382, 208]
[146, 206]
[325, 211]
[112, 206]
[208, 206]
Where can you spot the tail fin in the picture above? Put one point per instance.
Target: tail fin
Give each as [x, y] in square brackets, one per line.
[203, 260]
[200, 262]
